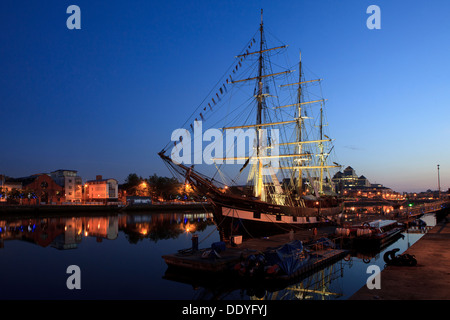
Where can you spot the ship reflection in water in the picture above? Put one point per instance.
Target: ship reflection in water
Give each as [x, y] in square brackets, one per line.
[120, 258]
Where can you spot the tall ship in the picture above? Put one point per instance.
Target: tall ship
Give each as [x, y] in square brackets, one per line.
[257, 147]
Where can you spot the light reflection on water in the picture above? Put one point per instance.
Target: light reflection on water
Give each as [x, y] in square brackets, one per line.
[120, 258]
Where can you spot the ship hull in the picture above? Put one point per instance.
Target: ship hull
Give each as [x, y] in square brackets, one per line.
[258, 219]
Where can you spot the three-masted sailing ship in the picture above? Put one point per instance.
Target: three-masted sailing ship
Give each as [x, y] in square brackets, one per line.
[287, 164]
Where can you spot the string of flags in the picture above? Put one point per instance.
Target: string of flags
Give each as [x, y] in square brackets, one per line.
[222, 89]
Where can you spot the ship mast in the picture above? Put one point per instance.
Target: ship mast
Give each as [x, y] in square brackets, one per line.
[321, 154]
[299, 125]
[259, 178]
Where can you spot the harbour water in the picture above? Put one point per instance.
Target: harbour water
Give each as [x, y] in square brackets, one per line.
[119, 257]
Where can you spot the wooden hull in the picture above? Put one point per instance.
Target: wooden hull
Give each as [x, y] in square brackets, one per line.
[253, 218]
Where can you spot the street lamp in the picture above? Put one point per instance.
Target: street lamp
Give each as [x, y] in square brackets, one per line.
[439, 183]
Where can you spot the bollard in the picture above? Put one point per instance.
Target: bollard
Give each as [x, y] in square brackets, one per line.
[194, 242]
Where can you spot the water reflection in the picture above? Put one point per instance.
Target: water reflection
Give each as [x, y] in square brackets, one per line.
[325, 284]
[163, 226]
[67, 232]
[126, 250]
[322, 285]
[337, 281]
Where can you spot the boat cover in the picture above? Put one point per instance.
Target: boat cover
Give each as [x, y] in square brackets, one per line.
[290, 257]
[381, 223]
[327, 243]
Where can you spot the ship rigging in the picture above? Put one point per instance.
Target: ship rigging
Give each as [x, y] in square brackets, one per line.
[281, 146]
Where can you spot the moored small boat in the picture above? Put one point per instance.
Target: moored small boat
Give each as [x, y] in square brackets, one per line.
[375, 232]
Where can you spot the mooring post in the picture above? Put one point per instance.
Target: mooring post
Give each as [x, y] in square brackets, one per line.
[194, 242]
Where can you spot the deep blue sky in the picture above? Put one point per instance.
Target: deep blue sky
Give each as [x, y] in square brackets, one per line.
[105, 99]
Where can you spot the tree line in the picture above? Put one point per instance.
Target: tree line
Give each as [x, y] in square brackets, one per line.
[159, 188]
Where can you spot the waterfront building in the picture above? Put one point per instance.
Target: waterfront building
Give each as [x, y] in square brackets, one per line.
[348, 178]
[6, 185]
[374, 191]
[102, 190]
[427, 195]
[41, 189]
[363, 182]
[71, 182]
[349, 184]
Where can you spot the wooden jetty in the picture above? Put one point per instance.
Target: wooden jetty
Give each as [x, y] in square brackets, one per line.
[200, 261]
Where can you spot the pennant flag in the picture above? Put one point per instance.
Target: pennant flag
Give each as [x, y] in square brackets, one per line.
[213, 101]
[218, 96]
[181, 138]
[221, 90]
[201, 116]
[227, 80]
[204, 109]
[225, 87]
[209, 105]
[192, 126]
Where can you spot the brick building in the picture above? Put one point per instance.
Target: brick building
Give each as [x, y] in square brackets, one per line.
[41, 188]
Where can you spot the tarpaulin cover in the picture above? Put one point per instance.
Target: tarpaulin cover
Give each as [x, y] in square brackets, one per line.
[289, 257]
[327, 243]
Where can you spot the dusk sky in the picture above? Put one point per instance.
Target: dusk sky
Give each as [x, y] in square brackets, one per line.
[105, 99]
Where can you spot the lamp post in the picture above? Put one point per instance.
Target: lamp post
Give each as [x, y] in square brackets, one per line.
[439, 183]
